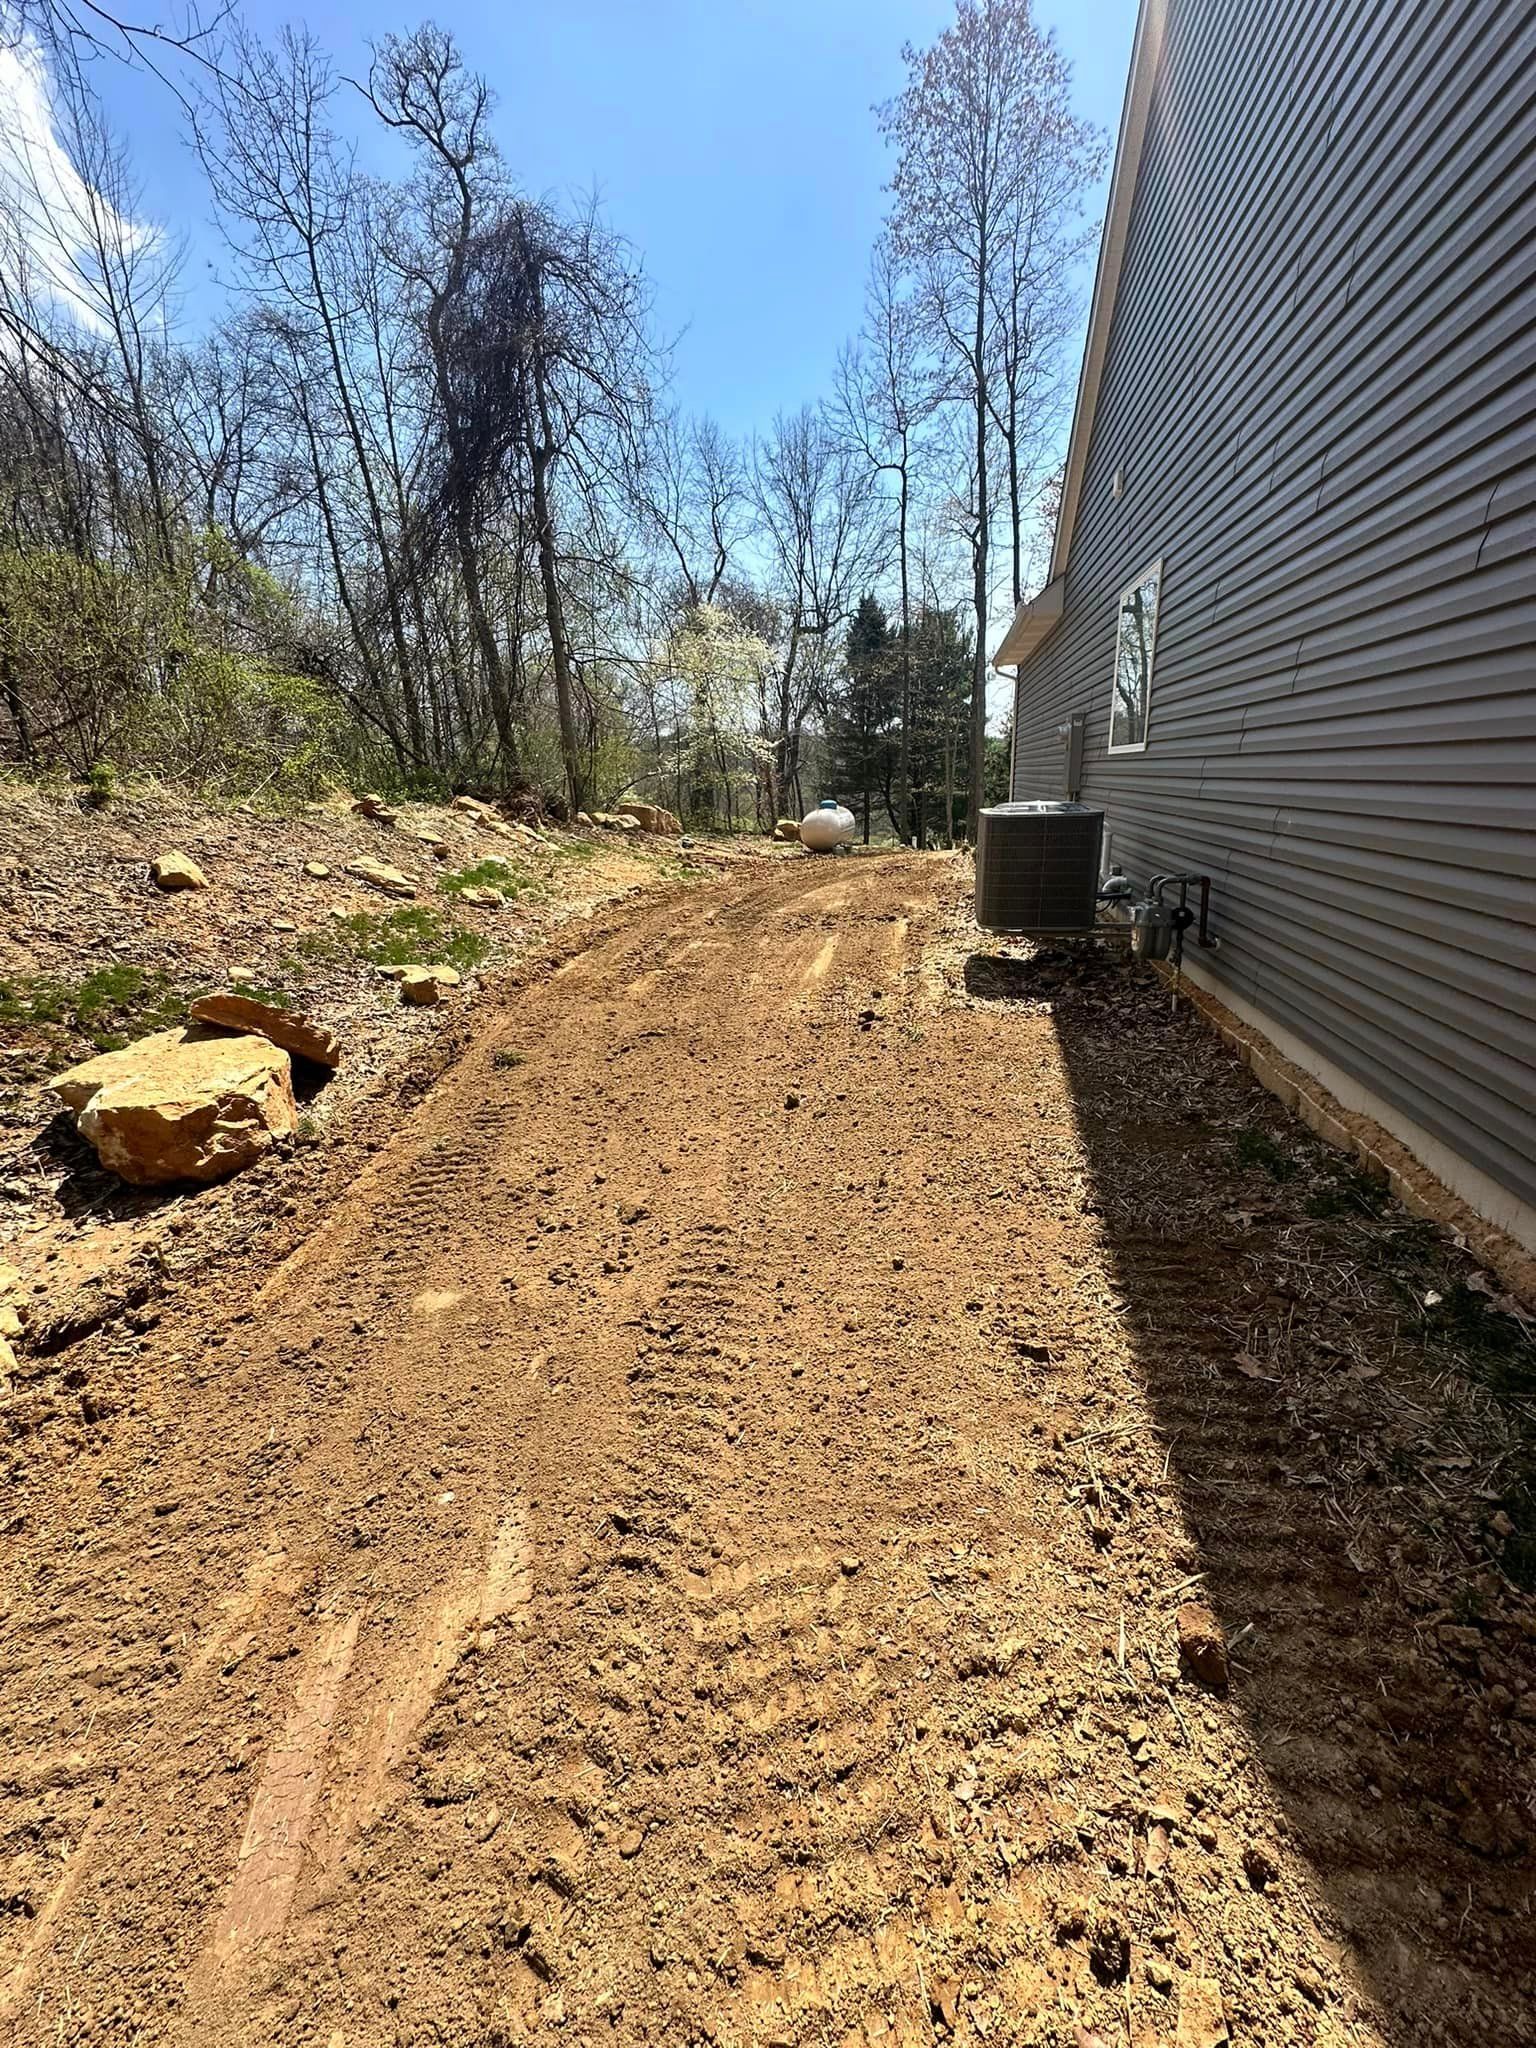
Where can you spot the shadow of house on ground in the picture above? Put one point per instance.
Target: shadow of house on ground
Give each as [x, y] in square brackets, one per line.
[1347, 1419]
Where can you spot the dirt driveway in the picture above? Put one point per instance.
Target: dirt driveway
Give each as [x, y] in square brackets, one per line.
[690, 1550]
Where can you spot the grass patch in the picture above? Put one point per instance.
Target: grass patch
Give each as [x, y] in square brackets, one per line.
[1258, 1148]
[575, 849]
[1519, 1559]
[274, 998]
[413, 935]
[110, 1007]
[1494, 1348]
[487, 874]
[1348, 1194]
[503, 1056]
[1415, 1246]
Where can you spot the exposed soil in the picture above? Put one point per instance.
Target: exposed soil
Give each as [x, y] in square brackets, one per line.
[92, 955]
[690, 1545]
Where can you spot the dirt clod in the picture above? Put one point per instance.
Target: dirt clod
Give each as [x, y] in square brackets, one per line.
[1203, 1645]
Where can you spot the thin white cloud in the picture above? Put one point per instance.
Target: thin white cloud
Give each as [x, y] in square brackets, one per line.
[53, 224]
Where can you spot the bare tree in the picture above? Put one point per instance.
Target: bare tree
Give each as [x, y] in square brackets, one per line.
[292, 202]
[74, 32]
[549, 344]
[989, 156]
[692, 492]
[886, 393]
[420, 87]
[823, 546]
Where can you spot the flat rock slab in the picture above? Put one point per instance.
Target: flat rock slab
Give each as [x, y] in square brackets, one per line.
[182, 1105]
[294, 1032]
[380, 876]
[447, 977]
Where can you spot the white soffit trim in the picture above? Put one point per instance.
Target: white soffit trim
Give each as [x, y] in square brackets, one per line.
[1018, 645]
[1032, 622]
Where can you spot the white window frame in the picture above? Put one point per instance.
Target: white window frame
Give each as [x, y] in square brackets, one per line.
[1135, 746]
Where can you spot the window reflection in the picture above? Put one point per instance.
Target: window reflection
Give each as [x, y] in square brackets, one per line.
[1133, 662]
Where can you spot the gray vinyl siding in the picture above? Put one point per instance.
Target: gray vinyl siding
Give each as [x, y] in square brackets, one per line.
[1321, 386]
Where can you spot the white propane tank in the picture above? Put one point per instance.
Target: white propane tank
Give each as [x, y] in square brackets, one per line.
[828, 827]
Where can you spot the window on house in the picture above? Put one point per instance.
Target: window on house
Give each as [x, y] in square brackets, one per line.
[1135, 639]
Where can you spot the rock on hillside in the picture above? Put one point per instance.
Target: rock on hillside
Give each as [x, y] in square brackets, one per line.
[186, 1104]
[378, 875]
[652, 818]
[422, 986]
[294, 1032]
[177, 871]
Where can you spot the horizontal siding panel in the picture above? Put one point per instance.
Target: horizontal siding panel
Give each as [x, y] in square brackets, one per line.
[1335, 842]
[1477, 764]
[1333, 236]
[1421, 898]
[1259, 244]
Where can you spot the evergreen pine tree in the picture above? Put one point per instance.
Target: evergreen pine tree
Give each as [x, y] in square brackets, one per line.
[861, 727]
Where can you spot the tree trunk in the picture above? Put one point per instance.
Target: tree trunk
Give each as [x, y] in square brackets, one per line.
[464, 532]
[780, 765]
[387, 569]
[904, 768]
[25, 744]
[559, 651]
[978, 746]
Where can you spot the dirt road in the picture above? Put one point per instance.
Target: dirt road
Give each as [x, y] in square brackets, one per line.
[689, 1550]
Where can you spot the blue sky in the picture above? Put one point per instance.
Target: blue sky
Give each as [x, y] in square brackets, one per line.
[731, 140]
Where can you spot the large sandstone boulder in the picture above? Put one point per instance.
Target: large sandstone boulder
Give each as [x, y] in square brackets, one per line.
[294, 1032]
[177, 871]
[652, 818]
[77, 1085]
[182, 1105]
[378, 876]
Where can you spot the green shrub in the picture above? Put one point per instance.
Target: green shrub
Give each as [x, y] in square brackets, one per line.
[158, 672]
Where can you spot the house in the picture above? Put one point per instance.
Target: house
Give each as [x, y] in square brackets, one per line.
[1289, 633]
